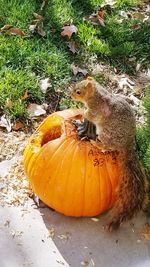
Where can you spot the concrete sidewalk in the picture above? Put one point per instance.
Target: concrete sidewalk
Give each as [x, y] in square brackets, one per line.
[25, 240]
[84, 242]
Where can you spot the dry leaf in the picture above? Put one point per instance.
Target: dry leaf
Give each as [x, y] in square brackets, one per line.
[138, 66]
[40, 31]
[138, 15]
[138, 91]
[125, 82]
[97, 18]
[44, 85]
[37, 16]
[134, 100]
[123, 13]
[25, 96]
[72, 46]
[51, 232]
[8, 103]
[136, 27]
[32, 27]
[68, 30]
[44, 2]
[37, 25]
[6, 27]
[95, 219]
[16, 31]
[18, 125]
[77, 70]
[84, 263]
[12, 31]
[64, 237]
[109, 3]
[5, 123]
[36, 110]
[7, 223]
[100, 16]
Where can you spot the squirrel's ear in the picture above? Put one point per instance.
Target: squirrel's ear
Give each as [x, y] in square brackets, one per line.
[89, 78]
[90, 86]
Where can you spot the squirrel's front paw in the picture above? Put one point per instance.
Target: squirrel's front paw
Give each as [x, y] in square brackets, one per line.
[86, 129]
[81, 129]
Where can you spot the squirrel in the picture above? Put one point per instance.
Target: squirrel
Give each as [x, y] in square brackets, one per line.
[115, 124]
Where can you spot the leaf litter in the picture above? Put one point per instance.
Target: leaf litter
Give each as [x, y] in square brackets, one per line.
[36, 25]
[13, 184]
[76, 70]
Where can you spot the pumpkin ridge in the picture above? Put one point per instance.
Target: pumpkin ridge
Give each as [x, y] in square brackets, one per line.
[59, 147]
[29, 163]
[42, 150]
[74, 149]
[58, 165]
[99, 179]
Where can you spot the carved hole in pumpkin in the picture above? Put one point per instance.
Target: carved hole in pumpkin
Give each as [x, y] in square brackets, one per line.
[53, 134]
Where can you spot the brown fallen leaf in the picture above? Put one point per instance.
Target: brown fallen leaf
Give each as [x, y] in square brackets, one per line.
[138, 15]
[101, 16]
[12, 31]
[136, 27]
[40, 31]
[72, 46]
[97, 18]
[6, 27]
[36, 25]
[138, 91]
[8, 103]
[25, 96]
[18, 125]
[77, 70]
[35, 110]
[68, 30]
[15, 31]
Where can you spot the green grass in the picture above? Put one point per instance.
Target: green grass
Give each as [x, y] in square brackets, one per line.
[24, 61]
[143, 136]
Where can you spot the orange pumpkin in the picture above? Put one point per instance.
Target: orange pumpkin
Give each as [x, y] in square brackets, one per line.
[70, 175]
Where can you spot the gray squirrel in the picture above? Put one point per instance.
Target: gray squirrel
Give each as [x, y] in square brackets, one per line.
[114, 121]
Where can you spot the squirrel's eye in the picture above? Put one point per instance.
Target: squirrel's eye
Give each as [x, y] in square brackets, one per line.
[78, 92]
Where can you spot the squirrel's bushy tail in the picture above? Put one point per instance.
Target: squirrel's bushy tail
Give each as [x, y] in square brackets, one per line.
[131, 191]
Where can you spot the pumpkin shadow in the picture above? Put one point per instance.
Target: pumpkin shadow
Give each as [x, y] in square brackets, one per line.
[85, 239]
